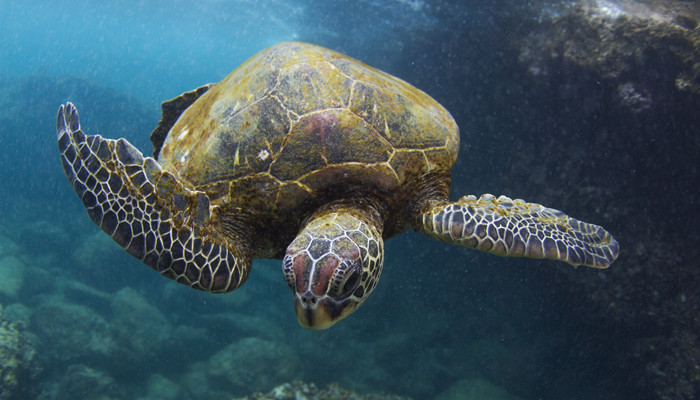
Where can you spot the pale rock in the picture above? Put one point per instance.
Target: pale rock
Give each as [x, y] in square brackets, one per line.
[11, 276]
[475, 389]
[252, 364]
[141, 325]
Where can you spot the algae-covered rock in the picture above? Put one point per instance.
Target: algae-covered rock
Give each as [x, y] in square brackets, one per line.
[17, 361]
[162, 388]
[72, 332]
[41, 234]
[195, 380]
[475, 389]
[307, 391]
[252, 364]
[638, 46]
[18, 312]
[84, 383]
[11, 276]
[140, 327]
[118, 332]
[95, 257]
[7, 246]
[81, 293]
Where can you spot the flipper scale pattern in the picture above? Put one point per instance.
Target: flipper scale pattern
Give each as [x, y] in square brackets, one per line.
[147, 211]
[516, 228]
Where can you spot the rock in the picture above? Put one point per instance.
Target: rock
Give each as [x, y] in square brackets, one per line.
[195, 380]
[308, 391]
[475, 389]
[18, 312]
[42, 234]
[162, 388]
[94, 257]
[633, 97]
[613, 45]
[141, 328]
[7, 246]
[252, 364]
[81, 293]
[72, 332]
[11, 276]
[39, 281]
[197, 383]
[17, 362]
[193, 341]
[84, 383]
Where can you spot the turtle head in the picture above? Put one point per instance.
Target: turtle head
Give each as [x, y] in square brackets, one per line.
[332, 266]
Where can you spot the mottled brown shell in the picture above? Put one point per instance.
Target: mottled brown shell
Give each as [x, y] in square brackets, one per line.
[298, 124]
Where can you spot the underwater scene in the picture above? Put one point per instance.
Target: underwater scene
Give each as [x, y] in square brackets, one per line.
[591, 107]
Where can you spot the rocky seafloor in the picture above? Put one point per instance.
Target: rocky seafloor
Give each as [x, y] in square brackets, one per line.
[62, 338]
[593, 108]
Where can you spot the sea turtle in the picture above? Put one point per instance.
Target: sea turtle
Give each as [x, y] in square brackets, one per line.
[306, 155]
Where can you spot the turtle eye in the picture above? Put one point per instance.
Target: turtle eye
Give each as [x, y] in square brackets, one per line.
[351, 282]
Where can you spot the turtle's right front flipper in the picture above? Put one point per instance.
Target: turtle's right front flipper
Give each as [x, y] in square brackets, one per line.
[147, 211]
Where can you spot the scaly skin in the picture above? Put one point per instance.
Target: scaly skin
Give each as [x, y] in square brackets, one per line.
[335, 262]
[301, 141]
[147, 211]
[514, 228]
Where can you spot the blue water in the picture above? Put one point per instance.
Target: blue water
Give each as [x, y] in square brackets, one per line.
[442, 317]
[150, 49]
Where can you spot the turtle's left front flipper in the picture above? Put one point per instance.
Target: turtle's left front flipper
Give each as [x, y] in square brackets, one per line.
[515, 228]
[148, 212]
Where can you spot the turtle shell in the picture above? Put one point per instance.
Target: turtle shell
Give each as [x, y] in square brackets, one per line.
[298, 124]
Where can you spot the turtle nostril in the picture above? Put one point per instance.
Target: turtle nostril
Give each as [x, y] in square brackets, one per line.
[308, 299]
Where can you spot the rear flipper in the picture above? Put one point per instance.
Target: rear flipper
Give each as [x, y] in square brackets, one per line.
[147, 211]
[515, 228]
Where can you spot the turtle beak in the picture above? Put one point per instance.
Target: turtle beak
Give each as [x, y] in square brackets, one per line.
[320, 314]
